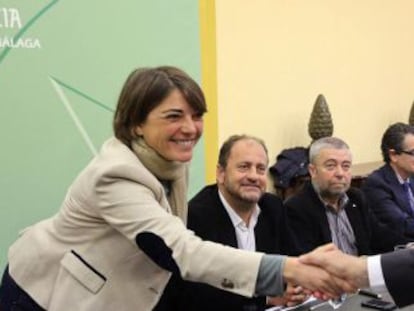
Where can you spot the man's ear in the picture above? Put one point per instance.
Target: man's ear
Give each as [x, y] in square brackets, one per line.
[219, 174]
[393, 155]
[312, 169]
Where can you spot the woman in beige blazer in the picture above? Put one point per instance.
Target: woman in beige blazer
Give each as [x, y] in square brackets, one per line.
[119, 234]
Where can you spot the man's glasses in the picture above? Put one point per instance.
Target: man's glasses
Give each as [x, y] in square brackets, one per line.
[409, 152]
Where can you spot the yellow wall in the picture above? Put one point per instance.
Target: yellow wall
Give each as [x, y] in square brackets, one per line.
[209, 84]
[275, 56]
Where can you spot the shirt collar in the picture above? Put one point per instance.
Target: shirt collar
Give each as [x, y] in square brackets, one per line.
[400, 179]
[235, 218]
[342, 200]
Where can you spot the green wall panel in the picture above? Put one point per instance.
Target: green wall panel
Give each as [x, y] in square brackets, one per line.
[57, 98]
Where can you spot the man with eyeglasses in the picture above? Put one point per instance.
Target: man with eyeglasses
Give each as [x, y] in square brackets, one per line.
[327, 209]
[390, 188]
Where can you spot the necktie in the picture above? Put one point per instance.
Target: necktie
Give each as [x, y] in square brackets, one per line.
[406, 186]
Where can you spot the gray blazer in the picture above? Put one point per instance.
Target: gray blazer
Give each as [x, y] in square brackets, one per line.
[113, 241]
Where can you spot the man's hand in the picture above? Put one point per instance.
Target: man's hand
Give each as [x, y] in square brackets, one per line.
[350, 268]
[292, 296]
[315, 279]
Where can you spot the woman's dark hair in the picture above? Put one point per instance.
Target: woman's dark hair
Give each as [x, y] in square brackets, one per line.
[145, 89]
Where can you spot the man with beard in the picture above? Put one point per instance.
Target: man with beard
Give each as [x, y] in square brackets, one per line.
[328, 210]
[236, 211]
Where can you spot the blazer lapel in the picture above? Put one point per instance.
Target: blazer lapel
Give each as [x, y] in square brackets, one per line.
[318, 207]
[227, 232]
[398, 190]
[264, 236]
[354, 217]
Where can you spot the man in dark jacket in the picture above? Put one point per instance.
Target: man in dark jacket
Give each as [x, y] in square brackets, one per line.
[390, 188]
[237, 212]
[327, 209]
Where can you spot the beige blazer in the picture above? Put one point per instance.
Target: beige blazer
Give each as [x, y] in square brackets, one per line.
[86, 258]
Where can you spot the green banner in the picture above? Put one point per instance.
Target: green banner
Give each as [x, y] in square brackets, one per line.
[62, 65]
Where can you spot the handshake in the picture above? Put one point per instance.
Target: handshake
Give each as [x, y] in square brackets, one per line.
[326, 272]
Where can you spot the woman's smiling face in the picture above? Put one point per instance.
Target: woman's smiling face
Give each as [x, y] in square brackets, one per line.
[172, 128]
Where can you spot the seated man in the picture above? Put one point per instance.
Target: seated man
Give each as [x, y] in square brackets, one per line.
[327, 209]
[390, 188]
[237, 212]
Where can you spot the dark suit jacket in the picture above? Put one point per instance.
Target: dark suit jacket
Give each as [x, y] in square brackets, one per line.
[309, 222]
[208, 218]
[398, 270]
[389, 201]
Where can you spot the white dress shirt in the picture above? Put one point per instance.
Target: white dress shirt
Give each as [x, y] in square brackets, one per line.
[244, 233]
[375, 275]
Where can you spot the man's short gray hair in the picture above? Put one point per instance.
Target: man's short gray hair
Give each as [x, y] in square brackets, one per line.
[324, 143]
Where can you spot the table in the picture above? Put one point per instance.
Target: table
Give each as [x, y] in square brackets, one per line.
[352, 303]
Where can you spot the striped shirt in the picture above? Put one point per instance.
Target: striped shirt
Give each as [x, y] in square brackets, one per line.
[341, 230]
